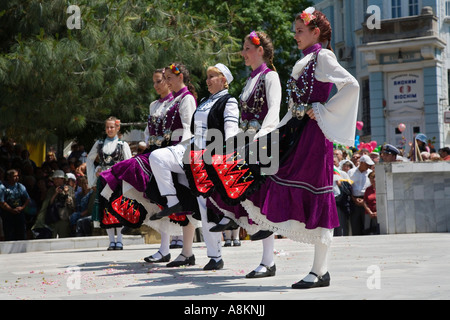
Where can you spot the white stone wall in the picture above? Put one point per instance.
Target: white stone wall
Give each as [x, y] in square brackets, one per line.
[413, 197]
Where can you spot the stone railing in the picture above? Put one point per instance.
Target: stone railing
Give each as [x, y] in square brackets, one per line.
[413, 197]
[424, 25]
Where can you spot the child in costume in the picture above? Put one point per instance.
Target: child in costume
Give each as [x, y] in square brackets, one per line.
[106, 153]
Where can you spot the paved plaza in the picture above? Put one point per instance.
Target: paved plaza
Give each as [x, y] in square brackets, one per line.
[386, 267]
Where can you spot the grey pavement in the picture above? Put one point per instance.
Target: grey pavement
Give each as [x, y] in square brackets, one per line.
[386, 267]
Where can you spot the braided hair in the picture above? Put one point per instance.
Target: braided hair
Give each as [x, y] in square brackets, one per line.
[186, 77]
[324, 26]
[267, 45]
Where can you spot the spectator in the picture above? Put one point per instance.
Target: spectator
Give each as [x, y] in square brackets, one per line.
[142, 146]
[445, 153]
[14, 199]
[83, 153]
[355, 158]
[342, 194]
[50, 157]
[75, 153]
[72, 181]
[56, 208]
[73, 165]
[32, 209]
[375, 156]
[370, 206]
[359, 176]
[346, 165]
[63, 200]
[25, 155]
[389, 153]
[81, 170]
[339, 154]
[419, 146]
[41, 185]
[425, 156]
[82, 200]
[435, 157]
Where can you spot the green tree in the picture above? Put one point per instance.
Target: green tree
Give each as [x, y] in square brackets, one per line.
[65, 82]
[55, 80]
[274, 17]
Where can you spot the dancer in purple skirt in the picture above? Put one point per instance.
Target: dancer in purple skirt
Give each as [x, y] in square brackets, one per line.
[215, 116]
[132, 179]
[260, 107]
[298, 200]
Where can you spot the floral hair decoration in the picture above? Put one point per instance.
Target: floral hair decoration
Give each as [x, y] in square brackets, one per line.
[254, 38]
[307, 15]
[174, 69]
[117, 122]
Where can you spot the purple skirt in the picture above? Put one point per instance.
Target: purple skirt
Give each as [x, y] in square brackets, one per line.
[136, 171]
[302, 189]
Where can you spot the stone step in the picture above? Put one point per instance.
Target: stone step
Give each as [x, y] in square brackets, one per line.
[21, 246]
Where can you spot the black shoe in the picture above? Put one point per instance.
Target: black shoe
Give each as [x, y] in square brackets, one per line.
[119, 246]
[227, 243]
[214, 265]
[323, 281]
[236, 243]
[230, 225]
[176, 244]
[165, 258]
[112, 246]
[270, 272]
[167, 212]
[188, 261]
[260, 235]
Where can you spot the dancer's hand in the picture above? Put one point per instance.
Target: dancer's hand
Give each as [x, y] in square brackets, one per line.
[311, 114]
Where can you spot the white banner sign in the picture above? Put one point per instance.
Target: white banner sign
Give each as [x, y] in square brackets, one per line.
[405, 89]
[447, 117]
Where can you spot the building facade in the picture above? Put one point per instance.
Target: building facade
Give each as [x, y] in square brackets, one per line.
[397, 49]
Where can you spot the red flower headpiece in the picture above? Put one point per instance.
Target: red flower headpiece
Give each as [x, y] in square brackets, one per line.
[174, 69]
[307, 15]
[254, 38]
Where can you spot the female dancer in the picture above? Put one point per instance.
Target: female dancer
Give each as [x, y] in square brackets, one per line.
[260, 107]
[108, 152]
[130, 178]
[298, 200]
[178, 80]
[220, 111]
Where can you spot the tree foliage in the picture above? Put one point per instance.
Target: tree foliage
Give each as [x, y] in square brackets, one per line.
[56, 80]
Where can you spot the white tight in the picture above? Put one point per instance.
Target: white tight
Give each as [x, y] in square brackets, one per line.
[111, 232]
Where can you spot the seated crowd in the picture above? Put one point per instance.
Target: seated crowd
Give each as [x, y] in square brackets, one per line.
[53, 200]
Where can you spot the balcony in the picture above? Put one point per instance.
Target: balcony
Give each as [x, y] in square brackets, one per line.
[416, 37]
[424, 25]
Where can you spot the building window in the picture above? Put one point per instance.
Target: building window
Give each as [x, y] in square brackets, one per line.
[413, 7]
[396, 8]
[367, 129]
[448, 84]
[447, 8]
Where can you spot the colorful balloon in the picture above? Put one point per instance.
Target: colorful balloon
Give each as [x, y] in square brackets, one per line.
[359, 125]
[373, 144]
